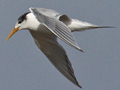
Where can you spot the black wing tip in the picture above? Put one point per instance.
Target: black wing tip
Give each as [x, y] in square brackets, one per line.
[81, 50]
[79, 86]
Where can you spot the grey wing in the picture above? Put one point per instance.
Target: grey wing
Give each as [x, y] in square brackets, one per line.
[56, 54]
[77, 25]
[47, 12]
[57, 27]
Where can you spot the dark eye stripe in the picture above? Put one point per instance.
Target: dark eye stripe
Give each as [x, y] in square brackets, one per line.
[22, 18]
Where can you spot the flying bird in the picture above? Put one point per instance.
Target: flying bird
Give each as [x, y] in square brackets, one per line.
[45, 26]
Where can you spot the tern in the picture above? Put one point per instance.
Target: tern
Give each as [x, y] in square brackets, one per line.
[45, 26]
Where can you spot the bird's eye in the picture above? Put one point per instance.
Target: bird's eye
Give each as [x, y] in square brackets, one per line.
[19, 22]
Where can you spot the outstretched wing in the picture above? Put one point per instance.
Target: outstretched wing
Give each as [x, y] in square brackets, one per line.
[55, 53]
[57, 27]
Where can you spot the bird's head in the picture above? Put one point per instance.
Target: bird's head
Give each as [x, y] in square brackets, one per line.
[25, 21]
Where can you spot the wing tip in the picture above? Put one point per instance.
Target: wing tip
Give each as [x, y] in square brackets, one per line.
[31, 9]
[80, 86]
[81, 50]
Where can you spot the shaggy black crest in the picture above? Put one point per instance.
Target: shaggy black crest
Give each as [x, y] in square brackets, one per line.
[22, 18]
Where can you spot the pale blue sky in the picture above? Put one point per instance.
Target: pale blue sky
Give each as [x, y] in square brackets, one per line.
[24, 67]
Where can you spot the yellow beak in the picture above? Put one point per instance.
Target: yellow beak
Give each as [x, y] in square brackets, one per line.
[12, 32]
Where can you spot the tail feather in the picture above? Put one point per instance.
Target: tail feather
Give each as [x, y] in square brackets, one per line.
[90, 27]
[77, 25]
